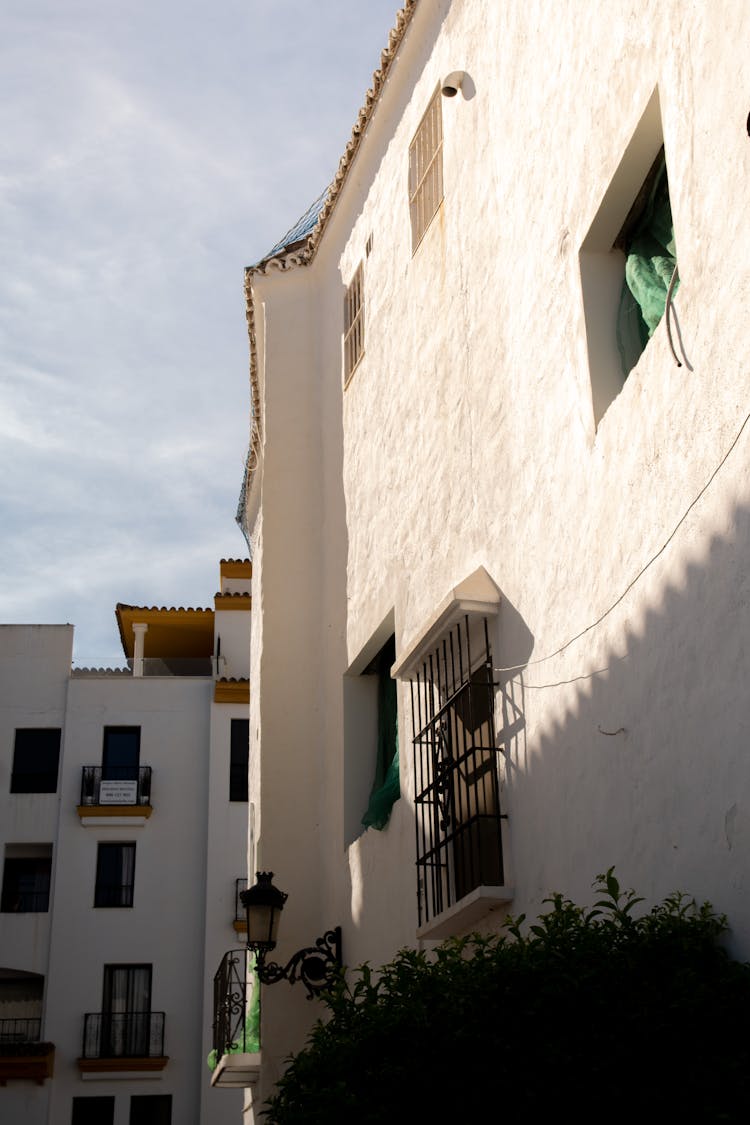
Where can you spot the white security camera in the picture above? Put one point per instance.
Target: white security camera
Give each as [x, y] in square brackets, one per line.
[451, 84]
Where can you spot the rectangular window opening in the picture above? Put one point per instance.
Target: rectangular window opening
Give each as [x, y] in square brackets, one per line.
[115, 875]
[36, 759]
[457, 801]
[239, 759]
[99, 1110]
[354, 323]
[426, 170]
[150, 1109]
[27, 874]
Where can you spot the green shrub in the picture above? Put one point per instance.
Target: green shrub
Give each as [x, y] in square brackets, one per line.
[587, 1015]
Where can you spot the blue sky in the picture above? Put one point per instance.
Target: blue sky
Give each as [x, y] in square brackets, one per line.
[148, 152]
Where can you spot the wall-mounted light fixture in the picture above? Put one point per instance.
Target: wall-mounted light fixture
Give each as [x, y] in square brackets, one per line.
[316, 965]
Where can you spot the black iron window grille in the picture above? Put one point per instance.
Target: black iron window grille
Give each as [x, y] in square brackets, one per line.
[458, 817]
[118, 1035]
[133, 787]
[232, 1031]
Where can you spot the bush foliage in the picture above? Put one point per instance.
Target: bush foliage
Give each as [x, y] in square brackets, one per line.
[591, 1015]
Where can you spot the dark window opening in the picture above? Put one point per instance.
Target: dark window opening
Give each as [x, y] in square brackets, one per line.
[458, 817]
[115, 875]
[36, 758]
[93, 1111]
[386, 788]
[239, 754]
[151, 1109]
[26, 884]
[121, 753]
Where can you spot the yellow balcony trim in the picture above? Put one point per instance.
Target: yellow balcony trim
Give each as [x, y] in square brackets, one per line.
[232, 691]
[114, 810]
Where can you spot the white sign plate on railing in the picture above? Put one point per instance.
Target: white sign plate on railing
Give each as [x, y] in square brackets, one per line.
[118, 792]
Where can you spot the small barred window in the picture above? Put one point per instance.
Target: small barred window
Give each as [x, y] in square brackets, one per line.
[426, 171]
[354, 323]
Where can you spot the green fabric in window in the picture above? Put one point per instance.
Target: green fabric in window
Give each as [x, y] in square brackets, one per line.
[650, 259]
[386, 788]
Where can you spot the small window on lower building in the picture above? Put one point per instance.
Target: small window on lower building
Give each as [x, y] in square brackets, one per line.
[151, 1109]
[98, 1110]
[93, 1111]
[115, 875]
[36, 757]
[238, 763]
[26, 879]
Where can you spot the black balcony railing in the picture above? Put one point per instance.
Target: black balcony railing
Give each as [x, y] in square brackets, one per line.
[235, 1015]
[20, 1030]
[240, 885]
[120, 1035]
[126, 785]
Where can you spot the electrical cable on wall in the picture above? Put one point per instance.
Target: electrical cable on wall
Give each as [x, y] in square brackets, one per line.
[632, 583]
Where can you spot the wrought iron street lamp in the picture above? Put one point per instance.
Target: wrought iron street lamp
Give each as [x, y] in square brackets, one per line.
[316, 965]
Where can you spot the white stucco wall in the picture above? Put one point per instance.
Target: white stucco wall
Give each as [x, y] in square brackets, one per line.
[467, 437]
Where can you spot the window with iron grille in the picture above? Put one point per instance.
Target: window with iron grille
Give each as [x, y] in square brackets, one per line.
[115, 875]
[426, 170]
[457, 790]
[36, 756]
[354, 323]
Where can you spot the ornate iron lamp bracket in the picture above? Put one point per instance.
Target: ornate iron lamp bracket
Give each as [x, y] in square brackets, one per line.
[316, 965]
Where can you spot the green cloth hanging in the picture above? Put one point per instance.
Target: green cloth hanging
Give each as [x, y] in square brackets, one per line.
[386, 788]
[651, 257]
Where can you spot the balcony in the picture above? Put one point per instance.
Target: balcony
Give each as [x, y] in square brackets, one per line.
[114, 1042]
[235, 1058]
[122, 798]
[240, 919]
[22, 1056]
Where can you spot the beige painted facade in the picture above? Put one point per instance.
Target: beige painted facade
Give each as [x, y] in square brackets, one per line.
[481, 429]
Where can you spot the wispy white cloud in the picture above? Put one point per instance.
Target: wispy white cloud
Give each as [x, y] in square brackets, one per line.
[147, 153]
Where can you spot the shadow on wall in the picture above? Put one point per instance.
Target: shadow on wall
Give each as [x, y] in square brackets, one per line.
[646, 765]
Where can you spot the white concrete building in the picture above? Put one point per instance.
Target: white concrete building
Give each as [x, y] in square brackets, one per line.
[452, 429]
[123, 828]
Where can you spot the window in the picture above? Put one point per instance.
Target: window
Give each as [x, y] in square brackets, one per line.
[121, 753]
[126, 1011]
[628, 261]
[151, 1109]
[115, 875]
[239, 746]
[426, 170]
[457, 799]
[26, 879]
[354, 323]
[36, 756]
[93, 1111]
[385, 787]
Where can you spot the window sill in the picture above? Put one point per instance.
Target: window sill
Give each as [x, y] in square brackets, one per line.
[113, 816]
[237, 1070]
[464, 913]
